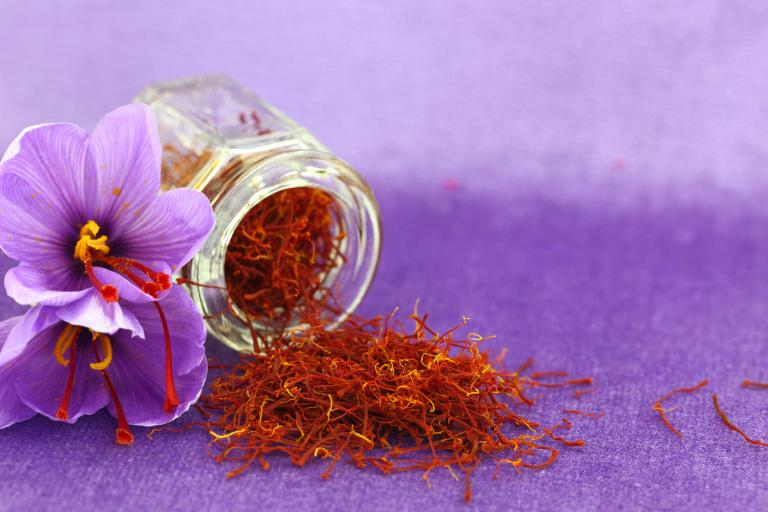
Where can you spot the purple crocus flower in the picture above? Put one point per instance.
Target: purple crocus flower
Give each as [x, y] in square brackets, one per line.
[96, 246]
[64, 371]
[83, 217]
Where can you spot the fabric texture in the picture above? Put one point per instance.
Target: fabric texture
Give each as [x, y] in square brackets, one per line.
[586, 180]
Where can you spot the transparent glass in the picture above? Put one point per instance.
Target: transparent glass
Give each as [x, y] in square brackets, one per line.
[220, 138]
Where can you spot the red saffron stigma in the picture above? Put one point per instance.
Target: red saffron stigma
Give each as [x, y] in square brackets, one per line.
[171, 398]
[582, 413]
[108, 292]
[663, 412]
[63, 412]
[753, 384]
[157, 282]
[123, 435]
[151, 288]
[728, 423]
[164, 280]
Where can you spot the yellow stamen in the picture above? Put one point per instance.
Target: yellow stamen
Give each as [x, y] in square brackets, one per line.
[87, 241]
[64, 341]
[106, 344]
[90, 228]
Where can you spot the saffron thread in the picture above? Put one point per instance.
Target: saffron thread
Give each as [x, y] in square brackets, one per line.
[663, 412]
[728, 423]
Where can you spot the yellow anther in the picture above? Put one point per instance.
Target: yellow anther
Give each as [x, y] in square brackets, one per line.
[106, 344]
[81, 248]
[89, 228]
[64, 342]
[87, 243]
[99, 244]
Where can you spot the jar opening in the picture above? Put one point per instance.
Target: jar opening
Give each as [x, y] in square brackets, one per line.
[282, 258]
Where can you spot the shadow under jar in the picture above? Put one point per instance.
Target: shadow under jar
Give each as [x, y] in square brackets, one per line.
[263, 172]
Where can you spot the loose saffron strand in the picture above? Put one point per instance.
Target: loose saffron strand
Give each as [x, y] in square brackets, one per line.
[663, 413]
[728, 423]
[171, 398]
[123, 435]
[587, 414]
[754, 385]
[581, 392]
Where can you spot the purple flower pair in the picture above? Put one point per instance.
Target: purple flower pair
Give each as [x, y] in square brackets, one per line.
[96, 247]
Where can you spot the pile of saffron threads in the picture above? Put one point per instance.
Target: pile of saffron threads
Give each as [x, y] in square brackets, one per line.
[373, 393]
[384, 397]
[280, 256]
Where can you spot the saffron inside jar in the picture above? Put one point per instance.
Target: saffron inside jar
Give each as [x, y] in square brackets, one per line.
[280, 260]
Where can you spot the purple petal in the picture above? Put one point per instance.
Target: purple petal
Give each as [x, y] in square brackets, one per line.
[141, 389]
[30, 325]
[51, 160]
[185, 325]
[41, 191]
[31, 285]
[15, 146]
[138, 366]
[12, 408]
[40, 380]
[93, 312]
[171, 230]
[25, 234]
[124, 162]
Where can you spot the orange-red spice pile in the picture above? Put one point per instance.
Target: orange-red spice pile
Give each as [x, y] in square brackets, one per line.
[373, 393]
[280, 255]
[382, 397]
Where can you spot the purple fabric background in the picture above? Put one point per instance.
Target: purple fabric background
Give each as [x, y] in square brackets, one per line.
[609, 220]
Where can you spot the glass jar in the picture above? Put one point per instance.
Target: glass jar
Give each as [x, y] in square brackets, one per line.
[220, 138]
